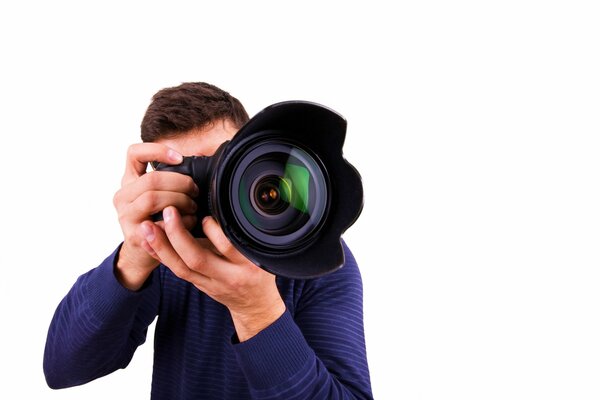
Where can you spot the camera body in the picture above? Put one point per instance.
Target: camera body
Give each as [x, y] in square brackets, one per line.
[281, 189]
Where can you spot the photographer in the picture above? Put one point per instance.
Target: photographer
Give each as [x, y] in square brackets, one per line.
[226, 328]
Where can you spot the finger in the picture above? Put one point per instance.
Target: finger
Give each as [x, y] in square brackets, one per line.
[193, 254]
[140, 154]
[157, 181]
[207, 244]
[164, 251]
[215, 234]
[146, 229]
[152, 202]
[189, 221]
[144, 244]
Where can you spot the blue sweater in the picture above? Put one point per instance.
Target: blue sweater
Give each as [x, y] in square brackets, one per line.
[315, 350]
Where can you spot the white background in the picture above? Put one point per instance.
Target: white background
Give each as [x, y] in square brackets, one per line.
[474, 124]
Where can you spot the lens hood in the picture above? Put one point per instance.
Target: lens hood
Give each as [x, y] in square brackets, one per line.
[281, 189]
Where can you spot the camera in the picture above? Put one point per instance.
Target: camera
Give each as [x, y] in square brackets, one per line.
[281, 189]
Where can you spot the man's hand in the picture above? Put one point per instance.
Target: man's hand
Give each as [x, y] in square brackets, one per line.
[215, 267]
[141, 195]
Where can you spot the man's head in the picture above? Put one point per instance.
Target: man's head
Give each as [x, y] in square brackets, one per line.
[191, 106]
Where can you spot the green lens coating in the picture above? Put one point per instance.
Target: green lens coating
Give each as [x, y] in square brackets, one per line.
[294, 186]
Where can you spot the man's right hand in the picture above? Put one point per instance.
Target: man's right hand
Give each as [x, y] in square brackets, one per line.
[142, 195]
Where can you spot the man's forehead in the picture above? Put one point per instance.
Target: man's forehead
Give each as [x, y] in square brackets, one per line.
[202, 141]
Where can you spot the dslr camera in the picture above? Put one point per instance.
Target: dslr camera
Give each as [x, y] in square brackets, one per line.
[281, 189]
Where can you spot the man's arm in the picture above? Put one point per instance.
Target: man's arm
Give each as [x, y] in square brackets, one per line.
[319, 353]
[324, 350]
[103, 319]
[98, 326]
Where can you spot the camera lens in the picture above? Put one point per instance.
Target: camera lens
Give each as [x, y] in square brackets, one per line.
[271, 195]
[279, 194]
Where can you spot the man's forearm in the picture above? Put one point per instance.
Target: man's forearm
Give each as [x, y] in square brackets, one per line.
[279, 363]
[96, 327]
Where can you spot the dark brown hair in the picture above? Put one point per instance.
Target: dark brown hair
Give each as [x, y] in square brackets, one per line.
[191, 105]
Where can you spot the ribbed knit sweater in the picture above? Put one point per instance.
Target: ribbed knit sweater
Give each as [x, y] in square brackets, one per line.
[315, 350]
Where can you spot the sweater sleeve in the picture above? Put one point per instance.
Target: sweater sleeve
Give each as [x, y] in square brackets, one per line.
[98, 326]
[320, 352]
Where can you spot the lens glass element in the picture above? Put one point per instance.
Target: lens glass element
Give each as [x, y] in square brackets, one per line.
[279, 193]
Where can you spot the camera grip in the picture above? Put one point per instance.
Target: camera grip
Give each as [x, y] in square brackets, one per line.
[197, 168]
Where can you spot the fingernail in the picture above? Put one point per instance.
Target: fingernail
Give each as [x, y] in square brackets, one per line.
[167, 214]
[174, 156]
[148, 232]
[205, 220]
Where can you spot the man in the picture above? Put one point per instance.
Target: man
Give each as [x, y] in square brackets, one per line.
[226, 328]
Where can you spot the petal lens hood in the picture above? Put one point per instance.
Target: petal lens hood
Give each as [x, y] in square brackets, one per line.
[281, 189]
